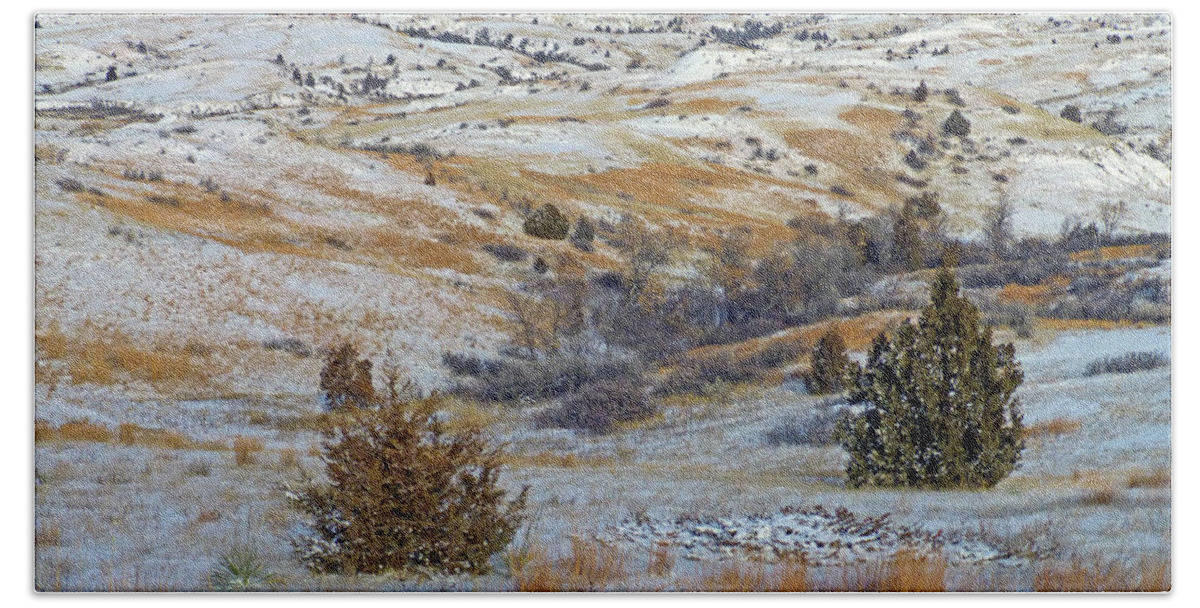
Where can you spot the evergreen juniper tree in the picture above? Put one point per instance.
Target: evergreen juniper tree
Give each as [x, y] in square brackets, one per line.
[939, 406]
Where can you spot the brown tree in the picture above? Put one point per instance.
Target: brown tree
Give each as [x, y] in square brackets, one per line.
[346, 379]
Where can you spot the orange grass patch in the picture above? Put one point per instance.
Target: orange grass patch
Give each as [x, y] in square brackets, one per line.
[1078, 324]
[104, 356]
[591, 566]
[1026, 294]
[873, 119]
[1115, 252]
[860, 158]
[906, 571]
[1160, 478]
[1099, 574]
[1054, 427]
[245, 450]
[126, 434]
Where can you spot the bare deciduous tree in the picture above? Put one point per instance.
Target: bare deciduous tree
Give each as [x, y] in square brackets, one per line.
[1111, 215]
[997, 227]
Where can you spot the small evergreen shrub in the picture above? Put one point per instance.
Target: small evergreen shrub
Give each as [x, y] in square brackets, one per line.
[829, 365]
[547, 222]
[921, 93]
[1071, 113]
[403, 494]
[957, 125]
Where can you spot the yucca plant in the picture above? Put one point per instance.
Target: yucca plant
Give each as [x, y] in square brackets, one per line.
[243, 569]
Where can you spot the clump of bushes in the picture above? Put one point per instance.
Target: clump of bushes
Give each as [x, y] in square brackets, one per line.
[584, 234]
[506, 252]
[404, 494]
[1071, 113]
[599, 408]
[547, 222]
[818, 427]
[1127, 363]
[957, 125]
[829, 365]
[516, 379]
[939, 405]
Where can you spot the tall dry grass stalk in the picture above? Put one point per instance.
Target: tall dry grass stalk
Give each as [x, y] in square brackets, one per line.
[591, 566]
[905, 572]
[1098, 574]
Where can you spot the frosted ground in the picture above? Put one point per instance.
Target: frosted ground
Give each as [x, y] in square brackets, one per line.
[265, 213]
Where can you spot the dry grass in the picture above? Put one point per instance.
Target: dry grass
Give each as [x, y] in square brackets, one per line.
[103, 356]
[876, 120]
[1099, 574]
[48, 534]
[1026, 294]
[80, 430]
[1115, 252]
[661, 561]
[591, 566]
[753, 576]
[1082, 324]
[289, 458]
[733, 577]
[208, 516]
[132, 434]
[1100, 494]
[245, 450]
[126, 434]
[1160, 478]
[1052, 428]
[51, 343]
[906, 572]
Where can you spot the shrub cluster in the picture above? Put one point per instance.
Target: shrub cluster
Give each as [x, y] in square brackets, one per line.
[516, 379]
[829, 365]
[547, 222]
[957, 125]
[599, 408]
[1127, 363]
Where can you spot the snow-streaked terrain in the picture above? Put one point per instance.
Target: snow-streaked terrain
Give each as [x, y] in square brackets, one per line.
[246, 181]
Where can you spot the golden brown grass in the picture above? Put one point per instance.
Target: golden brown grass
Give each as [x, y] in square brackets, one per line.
[103, 356]
[132, 434]
[661, 561]
[591, 566]
[1026, 294]
[1115, 252]
[1053, 427]
[905, 572]
[81, 430]
[245, 450]
[1100, 494]
[47, 534]
[289, 458]
[51, 343]
[733, 577]
[1099, 574]
[126, 434]
[207, 516]
[1160, 478]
